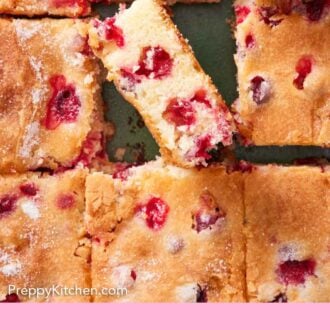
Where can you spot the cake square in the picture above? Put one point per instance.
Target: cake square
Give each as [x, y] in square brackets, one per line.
[287, 211]
[159, 75]
[69, 8]
[50, 96]
[283, 63]
[42, 237]
[167, 234]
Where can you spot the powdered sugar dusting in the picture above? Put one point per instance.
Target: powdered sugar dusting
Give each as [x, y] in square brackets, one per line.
[37, 66]
[31, 139]
[31, 210]
[10, 266]
[25, 32]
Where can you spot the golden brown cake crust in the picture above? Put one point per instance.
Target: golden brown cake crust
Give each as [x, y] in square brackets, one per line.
[287, 223]
[176, 261]
[69, 8]
[288, 107]
[46, 66]
[42, 236]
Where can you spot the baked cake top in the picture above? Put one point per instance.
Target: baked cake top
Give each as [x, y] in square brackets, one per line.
[42, 237]
[167, 234]
[49, 95]
[283, 65]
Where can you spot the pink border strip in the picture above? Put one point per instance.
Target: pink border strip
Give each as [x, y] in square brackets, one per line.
[165, 316]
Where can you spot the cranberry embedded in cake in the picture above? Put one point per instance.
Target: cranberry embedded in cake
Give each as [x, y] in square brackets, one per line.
[66, 201]
[303, 69]
[64, 105]
[28, 189]
[180, 113]
[241, 13]
[260, 89]
[7, 204]
[109, 31]
[208, 213]
[296, 272]
[154, 212]
[267, 14]
[315, 8]
[11, 298]
[249, 41]
[155, 63]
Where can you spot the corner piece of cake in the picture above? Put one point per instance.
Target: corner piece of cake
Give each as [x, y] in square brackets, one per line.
[30, 8]
[43, 242]
[154, 68]
[166, 234]
[51, 110]
[288, 234]
[283, 63]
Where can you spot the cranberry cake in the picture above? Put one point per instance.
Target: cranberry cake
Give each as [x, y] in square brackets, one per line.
[70, 8]
[288, 234]
[159, 75]
[42, 238]
[167, 234]
[283, 63]
[50, 96]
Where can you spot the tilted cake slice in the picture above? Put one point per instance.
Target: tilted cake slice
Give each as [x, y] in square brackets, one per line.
[154, 68]
[283, 63]
[50, 96]
[69, 8]
[42, 238]
[167, 234]
[287, 211]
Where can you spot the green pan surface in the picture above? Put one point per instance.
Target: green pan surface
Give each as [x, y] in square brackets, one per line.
[207, 27]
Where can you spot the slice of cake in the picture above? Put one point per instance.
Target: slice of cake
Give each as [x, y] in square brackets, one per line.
[154, 68]
[50, 97]
[70, 8]
[288, 234]
[283, 63]
[42, 238]
[165, 234]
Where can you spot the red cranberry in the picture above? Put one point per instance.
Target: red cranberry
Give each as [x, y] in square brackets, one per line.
[155, 62]
[260, 89]
[295, 272]
[155, 211]
[110, 31]
[28, 189]
[180, 113]
[133, 275]
[201, 97]
[64, 105]
[129, 80]
[92, 147]
[303, 68]
[201, 294]
[7, 204]
[280, 298]
[65, 201]
[82, 4]
[241, 13]
[11, 298]
[249, 41]
[314, 9]
[204, 146]
[86, 49]
[208, 214]
[121, 171]
[267, 13]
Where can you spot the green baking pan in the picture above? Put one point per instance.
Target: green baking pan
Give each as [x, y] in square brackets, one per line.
[207, 27]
